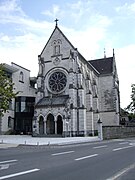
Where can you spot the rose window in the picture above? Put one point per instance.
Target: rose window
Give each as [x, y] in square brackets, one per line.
[57, 82]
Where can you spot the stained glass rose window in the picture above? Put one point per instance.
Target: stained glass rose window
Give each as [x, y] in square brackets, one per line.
[57, 82]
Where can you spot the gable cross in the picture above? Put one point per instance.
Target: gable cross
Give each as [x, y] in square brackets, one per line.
[56, 20]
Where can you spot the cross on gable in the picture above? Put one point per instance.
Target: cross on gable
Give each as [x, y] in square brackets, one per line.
[56, 20]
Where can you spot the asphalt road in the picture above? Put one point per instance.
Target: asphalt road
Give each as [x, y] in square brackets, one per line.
[106, 160]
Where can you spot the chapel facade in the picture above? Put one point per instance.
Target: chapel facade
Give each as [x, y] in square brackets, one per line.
[73, 93]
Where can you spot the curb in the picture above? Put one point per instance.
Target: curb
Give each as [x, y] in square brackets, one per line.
[4, 146]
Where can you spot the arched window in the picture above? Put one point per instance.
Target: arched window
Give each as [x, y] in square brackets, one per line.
[21, 77]
[57, 50]
[56, 46]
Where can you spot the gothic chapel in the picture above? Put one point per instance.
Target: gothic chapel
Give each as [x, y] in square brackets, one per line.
[74, 93]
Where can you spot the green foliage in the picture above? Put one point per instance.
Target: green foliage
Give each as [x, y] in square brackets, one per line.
[6, 91]
[131, 106]
[131, 116]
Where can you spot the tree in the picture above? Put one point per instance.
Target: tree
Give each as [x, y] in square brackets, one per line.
[6, 91]
[131, 106]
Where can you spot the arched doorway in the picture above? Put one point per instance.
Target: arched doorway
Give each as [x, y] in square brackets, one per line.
[59, 125]
[50, 124]
[41, 125]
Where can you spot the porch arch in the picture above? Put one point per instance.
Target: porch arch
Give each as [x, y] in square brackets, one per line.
[50, 124]
[59, 124]
[41, 125]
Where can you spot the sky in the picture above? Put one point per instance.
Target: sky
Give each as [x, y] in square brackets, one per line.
[90, 25]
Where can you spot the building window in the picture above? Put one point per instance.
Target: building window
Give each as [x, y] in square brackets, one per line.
[57, 82]
[21, 77]
[17, 109]
[9, 122]
[56, 46]
[56, 49]
[23, 107]
[24, 104]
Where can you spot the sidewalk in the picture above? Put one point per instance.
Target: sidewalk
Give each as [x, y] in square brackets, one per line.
[15, 140]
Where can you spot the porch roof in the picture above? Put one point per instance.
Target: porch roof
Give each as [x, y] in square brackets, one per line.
[53, 101]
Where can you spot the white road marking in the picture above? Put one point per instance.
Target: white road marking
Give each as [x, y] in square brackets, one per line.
[124, 143]
[132, 144]
[117, 149]
[4, 166]
[118, 139]
[97, 147]
[9, 161]
[67, 152]
[85, 157]
[18, 174]
[120, 173]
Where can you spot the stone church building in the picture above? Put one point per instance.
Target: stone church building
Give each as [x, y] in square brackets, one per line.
[74, 93]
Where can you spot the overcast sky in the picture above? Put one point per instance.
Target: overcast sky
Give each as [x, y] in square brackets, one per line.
[90, 25]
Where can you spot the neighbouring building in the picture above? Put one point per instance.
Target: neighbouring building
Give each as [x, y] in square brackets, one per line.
[18, 118]
[72, 93]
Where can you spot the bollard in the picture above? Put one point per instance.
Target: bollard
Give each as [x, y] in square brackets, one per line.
[2, 141]
[25, 142]
[100, 133]
[37, 143]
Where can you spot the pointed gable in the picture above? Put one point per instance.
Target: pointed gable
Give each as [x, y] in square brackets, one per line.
[57, 44]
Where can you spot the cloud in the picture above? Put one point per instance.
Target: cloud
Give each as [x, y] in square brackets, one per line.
[127, 8]
[22, 50]
[77, 10]
[11, 13]
[10, 7]
[4, 38]
[88, 40]
[27, 39]
[33, 34]
[54, 12]
[126, 66]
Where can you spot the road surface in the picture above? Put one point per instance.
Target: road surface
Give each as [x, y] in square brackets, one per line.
[106, 160]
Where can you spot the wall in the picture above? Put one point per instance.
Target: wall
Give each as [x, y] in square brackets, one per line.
[114, 132]
[23, 87]
[109, 118]
[106, 93]
[109, 113]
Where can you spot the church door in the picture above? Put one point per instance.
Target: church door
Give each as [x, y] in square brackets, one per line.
[59, 125]
[50, 124]
[41, 125]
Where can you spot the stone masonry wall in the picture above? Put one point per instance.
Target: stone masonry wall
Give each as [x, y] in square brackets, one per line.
[114, 132]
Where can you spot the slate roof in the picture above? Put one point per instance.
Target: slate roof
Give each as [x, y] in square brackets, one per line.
[54, 101]
[103, 66]
[9, 68]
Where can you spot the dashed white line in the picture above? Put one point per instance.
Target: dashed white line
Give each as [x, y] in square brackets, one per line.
[132, 144]
[97, 147]
[18, 174]
[124, 143]
[4, 166]
[117, 149]
[61, 153]
[121, 172]
[8, 161]
[85, 157]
